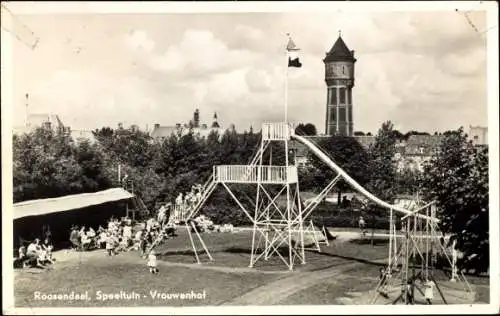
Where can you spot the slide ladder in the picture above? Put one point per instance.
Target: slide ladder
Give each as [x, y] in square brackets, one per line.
[207, 189]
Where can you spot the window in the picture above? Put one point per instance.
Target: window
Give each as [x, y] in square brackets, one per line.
[350, 113]
[342, 114]
[333, 96]
[333, 115]
[342, 95]
[343, 70]
[349, 96]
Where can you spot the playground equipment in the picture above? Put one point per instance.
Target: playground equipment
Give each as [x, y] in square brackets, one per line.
[278, 225]
[137, 203]
[413, 256]
[179, 213]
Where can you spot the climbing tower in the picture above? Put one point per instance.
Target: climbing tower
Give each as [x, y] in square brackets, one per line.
[277, 214]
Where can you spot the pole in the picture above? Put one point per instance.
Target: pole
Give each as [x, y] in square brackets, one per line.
[26, 123]
[286, 83]
[389, 264]
[119, 175]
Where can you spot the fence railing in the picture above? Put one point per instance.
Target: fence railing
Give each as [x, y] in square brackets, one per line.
[276, 131]
[254, 174]
[180, 212]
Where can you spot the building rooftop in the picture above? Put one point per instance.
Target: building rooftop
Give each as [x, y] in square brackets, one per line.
[160, 132]
[339, 52]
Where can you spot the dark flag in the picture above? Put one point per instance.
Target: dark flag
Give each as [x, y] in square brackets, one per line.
[293, 58]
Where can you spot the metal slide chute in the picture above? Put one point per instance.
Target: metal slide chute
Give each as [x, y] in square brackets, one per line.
[353, 182]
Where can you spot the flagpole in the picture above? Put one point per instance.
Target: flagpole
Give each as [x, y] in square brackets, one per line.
[286, 82]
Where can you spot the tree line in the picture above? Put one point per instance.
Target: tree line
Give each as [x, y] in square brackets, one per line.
[50, 164]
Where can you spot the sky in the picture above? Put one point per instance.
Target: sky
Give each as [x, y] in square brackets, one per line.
[424, 71]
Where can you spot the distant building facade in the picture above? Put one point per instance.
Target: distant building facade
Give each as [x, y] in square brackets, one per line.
[201, 130]
[413, 153]
[478, 135]
[44, 120]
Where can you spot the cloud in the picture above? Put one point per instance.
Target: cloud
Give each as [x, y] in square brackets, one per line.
[200, 54]
[468, 63]
[259, 80]
[246, 33]
[138, 40]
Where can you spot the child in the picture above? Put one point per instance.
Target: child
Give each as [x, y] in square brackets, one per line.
[383, 282]
[102, 239]
[409, 292]
[362, 225]
[85, 242]
[22, 251]
[152, 262]
[127, 232]
[110, 246]
[429, 291]
[143, 244]
[48, 247]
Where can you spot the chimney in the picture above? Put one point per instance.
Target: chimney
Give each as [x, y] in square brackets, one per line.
[352, 52]
[157, 125]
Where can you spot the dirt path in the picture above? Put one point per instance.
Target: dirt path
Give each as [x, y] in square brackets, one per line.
[207, 266]
[278, 290]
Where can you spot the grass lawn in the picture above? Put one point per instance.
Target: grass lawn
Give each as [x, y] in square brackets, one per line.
[110, 275]
[342, 267]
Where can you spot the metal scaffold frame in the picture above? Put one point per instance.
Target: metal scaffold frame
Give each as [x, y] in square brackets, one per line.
[277, 225]
[413, 256]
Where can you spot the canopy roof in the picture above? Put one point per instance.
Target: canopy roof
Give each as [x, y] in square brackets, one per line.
[68, 202]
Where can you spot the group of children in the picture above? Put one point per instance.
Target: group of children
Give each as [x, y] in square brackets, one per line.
[119, 236]
[81, 238]
[191, 198]
[36, 254]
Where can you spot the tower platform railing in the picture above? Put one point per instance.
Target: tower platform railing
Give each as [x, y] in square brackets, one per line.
[255, 174]
[276, 131]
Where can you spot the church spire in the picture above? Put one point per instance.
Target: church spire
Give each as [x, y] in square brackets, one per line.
[215, 124]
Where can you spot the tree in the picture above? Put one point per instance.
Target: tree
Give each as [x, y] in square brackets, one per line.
[308, 129]
[44, 166]
[381, 163]
[345, 152]
[398, 135]
[359, 133]
[457, 179]
[407, 180]
[91, 161]
[382, 168]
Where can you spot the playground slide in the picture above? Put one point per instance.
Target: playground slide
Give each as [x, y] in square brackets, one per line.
[350, 180]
